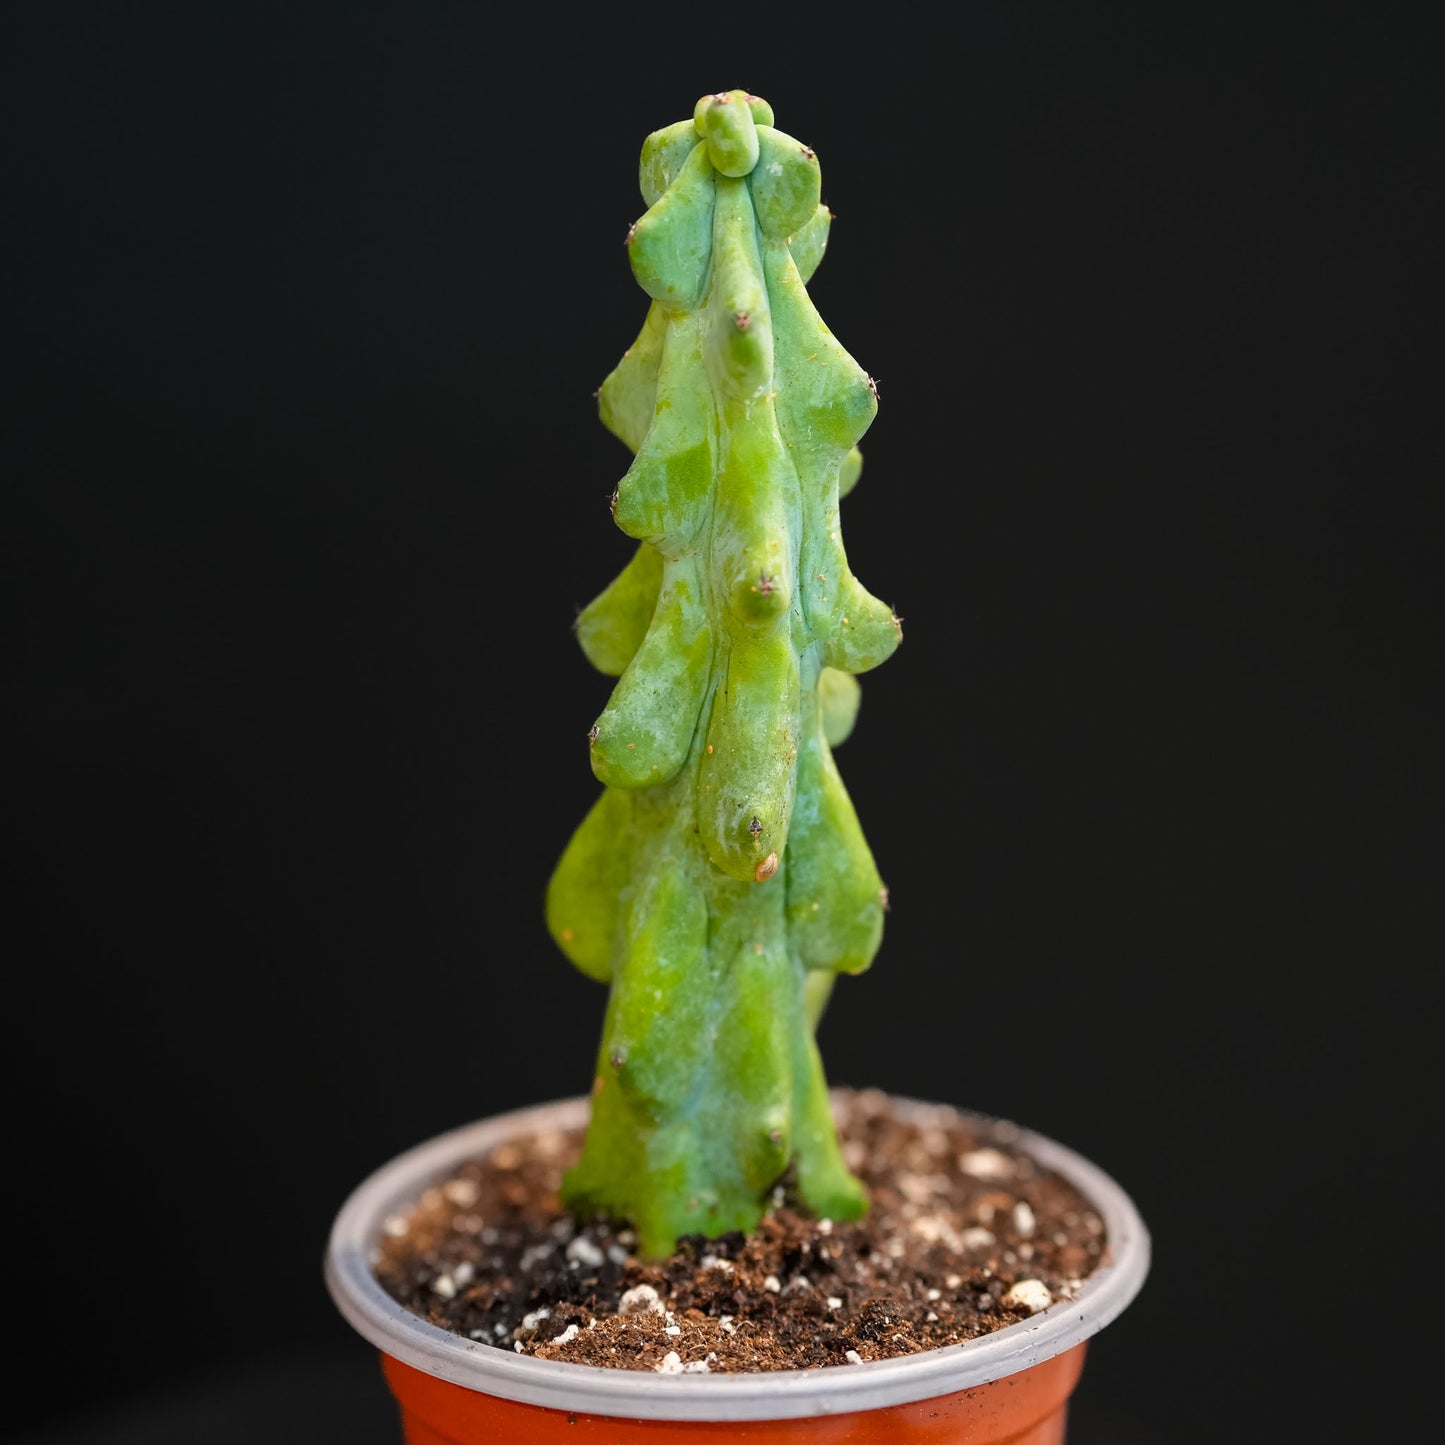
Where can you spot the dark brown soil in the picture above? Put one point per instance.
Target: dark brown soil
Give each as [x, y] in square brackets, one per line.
[966, 1234]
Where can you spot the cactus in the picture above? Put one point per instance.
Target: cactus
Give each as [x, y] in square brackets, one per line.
[721, 880]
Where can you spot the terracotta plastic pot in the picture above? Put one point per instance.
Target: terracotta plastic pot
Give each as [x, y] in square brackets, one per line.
[1010, 1386]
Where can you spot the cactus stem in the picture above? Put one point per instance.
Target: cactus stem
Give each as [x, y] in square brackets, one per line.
[711, 1050]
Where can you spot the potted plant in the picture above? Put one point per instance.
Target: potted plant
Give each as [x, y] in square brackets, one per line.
[611, 1267]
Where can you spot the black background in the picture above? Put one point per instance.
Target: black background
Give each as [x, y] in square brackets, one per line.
[305, 310]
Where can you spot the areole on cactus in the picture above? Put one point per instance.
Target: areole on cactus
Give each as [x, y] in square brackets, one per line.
[721, 881]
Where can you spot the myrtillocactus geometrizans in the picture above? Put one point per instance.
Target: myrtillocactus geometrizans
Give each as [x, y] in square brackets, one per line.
[721, 880]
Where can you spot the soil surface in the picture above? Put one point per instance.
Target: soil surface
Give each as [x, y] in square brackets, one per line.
[965, 1234]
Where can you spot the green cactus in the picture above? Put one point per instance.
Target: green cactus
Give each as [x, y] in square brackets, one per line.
[721, 880]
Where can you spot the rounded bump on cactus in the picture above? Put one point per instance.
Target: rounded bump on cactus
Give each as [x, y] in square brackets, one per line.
[664, 153]
[839, 696]
[760, 594]
[670, 245]
[730, 132]
[865, 633]
[744, 350]
[786, 183]
[723, 97]
[741, 337]
[775, 1138]
[809, 241]
[581, 904]
[613, 626]
[762, 111]
[617, 763]
[747, 845]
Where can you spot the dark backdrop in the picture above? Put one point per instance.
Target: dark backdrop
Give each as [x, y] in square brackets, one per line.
[305, 310]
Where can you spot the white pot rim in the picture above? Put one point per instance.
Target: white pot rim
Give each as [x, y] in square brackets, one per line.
[767, 1395]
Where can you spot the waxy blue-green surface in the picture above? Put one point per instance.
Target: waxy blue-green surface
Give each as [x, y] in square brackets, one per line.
[721, 880]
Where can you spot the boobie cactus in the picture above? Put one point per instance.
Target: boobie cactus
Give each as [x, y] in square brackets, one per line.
[721, 880]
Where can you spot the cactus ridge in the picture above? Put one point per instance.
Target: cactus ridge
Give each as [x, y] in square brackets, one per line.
[721, 880]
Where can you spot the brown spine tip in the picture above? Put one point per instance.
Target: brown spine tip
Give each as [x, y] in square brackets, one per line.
[766, 868]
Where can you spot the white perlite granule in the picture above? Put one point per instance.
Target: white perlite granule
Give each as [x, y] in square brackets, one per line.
[986, 1164]
[584, 1252]
[640, 1298]
[1032, 1294]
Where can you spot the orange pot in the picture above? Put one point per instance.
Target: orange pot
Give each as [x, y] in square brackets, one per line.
[1011, 1387]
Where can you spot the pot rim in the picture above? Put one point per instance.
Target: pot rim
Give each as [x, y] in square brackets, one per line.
[766, 1395]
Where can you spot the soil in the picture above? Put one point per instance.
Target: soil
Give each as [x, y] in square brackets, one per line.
[965, 1234]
